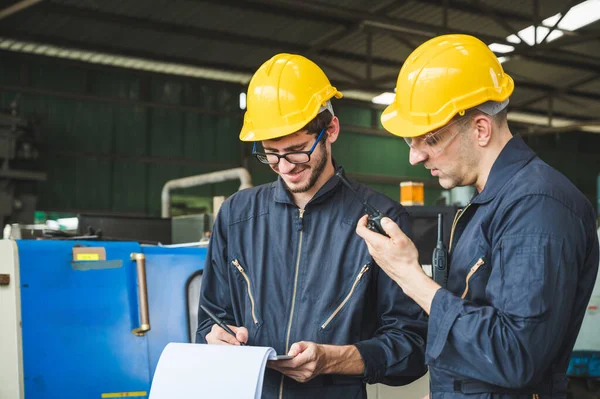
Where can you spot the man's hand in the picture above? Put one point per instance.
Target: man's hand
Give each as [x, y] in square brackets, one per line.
[308, 362]
[219, 336]
[396, 255]
[399, 259]
[311, 360]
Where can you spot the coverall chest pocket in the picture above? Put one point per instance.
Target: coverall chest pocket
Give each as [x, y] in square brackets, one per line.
[526, 285]
[344, 305]
[476, 278]
[245, 293]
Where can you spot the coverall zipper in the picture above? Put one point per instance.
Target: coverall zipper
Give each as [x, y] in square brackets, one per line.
[454, 223]
[473, 270]
[236, 263]
[287, 340]
[337, 310]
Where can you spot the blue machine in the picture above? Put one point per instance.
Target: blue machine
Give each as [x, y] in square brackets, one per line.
[78, 314]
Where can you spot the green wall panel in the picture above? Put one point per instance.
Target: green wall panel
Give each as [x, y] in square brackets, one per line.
[92, 185]
[165, 133]
[130, 130]
[355, 116]
[167, 92]
[10, 70]
[104, 83]
[50, 75]
[129, 187]
[92, 128]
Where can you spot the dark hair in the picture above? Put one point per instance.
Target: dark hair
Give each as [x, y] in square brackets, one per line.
[320, 122]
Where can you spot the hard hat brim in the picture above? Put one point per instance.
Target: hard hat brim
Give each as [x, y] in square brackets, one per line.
[394, 123]
[248, 133]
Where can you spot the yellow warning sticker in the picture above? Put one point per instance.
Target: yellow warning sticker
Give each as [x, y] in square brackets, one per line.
[88, 257]
[124, 394]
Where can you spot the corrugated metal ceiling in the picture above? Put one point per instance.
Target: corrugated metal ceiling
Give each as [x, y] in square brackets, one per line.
[242, 34]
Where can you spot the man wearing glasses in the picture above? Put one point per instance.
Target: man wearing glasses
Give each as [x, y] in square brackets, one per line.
[524, 251]
[285, 268]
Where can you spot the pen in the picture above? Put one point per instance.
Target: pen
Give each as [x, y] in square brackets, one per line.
[219, 322]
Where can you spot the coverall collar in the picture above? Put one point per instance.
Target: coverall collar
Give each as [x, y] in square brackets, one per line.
[513, 157]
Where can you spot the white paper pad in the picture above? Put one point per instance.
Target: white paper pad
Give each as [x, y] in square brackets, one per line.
[210, 371]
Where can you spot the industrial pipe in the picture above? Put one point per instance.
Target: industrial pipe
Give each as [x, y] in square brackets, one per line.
[215, 177]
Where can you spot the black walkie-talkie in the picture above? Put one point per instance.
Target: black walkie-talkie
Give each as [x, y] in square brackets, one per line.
[374, 219]
[439, 267]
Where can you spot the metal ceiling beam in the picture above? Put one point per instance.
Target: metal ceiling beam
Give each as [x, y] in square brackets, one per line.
[563, 13]
[197, 33]
[564, 41]
[550, 89]
[333, 37]
[502, 22]
[341, 71]
[348, 16]
[17, 7]
[403, 41]
[75, 44]
[562, 129]
[342, 33]
[266, 7]
[509, 16]
[558, 91]
[386, 24]
[560, 60]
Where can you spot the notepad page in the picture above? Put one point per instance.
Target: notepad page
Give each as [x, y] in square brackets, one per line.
[210, 371]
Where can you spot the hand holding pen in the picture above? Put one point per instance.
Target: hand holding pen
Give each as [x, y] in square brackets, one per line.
[223, 334]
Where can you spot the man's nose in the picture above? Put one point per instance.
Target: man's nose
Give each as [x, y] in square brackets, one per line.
[416, 156]
[285, 166]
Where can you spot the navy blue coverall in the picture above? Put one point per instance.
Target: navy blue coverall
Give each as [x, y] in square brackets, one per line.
[523, 261]
[292, 275]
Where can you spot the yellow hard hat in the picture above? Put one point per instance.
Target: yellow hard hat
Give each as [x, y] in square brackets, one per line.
[284, 95]
[443, 77]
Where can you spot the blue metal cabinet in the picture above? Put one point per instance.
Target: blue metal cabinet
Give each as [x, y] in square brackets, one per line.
[77, 324]
[78, 317]
[169, 272]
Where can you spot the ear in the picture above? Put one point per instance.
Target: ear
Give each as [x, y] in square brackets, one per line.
[483, 125]
[333, 130]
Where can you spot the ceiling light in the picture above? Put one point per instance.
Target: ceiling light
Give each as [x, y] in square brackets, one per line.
[128, 62]
[581, 15]
[384, 98]
[501, 48]
[513, 39]
[551, 21]
[578, 16]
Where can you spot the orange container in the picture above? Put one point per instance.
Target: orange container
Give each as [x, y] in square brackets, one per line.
[412, 193]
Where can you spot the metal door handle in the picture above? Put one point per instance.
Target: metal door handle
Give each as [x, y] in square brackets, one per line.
[140, 261]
